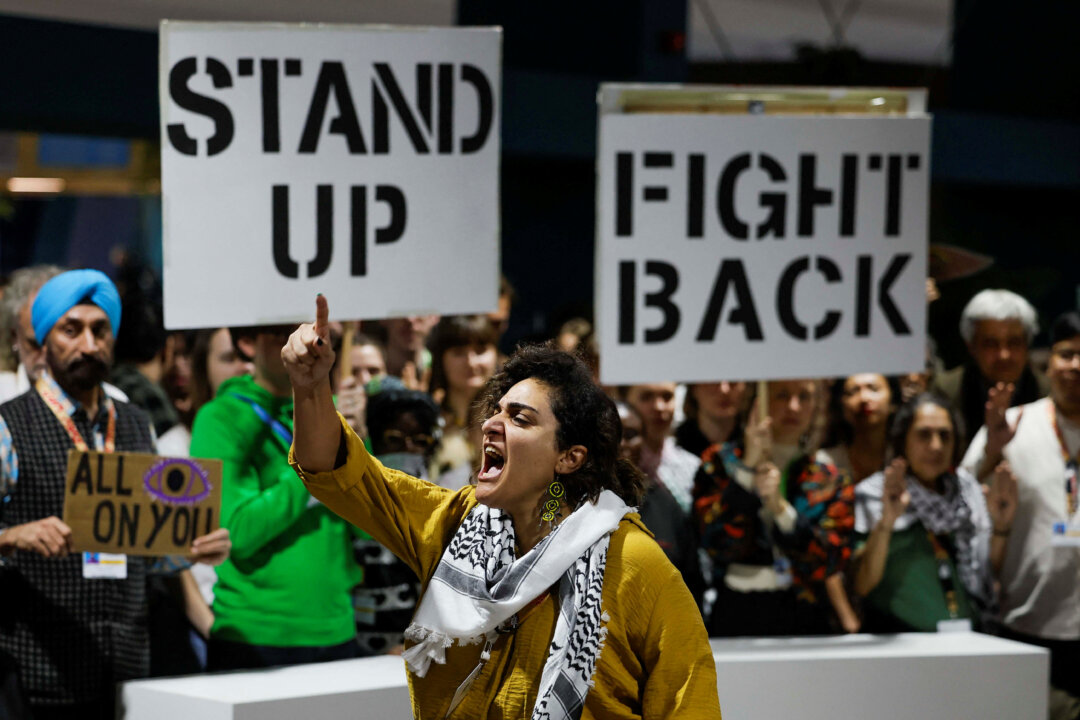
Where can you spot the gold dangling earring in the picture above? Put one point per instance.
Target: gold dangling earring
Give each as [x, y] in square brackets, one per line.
[551, 508]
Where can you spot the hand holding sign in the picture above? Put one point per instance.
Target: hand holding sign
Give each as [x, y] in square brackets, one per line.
[142, 504]
[307, 355]
[212, 548]
[48, 537]
[767, 487]
[758, 439]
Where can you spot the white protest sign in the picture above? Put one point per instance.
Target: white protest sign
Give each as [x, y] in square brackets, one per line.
[744, 247]
[359, 162]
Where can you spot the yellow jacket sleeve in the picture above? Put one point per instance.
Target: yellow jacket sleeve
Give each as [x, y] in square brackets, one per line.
[412, 518]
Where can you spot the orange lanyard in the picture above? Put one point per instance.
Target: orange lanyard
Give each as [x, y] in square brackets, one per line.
[1070, 464]
[945, 575]
[69, 425]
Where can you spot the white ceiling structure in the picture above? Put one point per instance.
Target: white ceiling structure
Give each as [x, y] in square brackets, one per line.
[914, 31]
[146, 14]
[909, 31]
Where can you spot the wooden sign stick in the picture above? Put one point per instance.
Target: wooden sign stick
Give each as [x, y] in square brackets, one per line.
[345, 357]
[762, 400]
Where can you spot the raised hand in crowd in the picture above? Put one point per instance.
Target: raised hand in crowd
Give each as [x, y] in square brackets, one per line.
[413, 380]
[308, 355]
[352, 403]
[48, 537]
[999, 432]
[1002, 498]
[757, 439]
[212, 548]
[896, 498]
[932, 292]
[767, 487]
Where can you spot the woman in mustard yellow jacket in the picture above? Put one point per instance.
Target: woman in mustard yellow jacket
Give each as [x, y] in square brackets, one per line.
[543, 594]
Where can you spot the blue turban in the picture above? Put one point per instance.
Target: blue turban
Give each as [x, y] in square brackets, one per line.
[67, 290]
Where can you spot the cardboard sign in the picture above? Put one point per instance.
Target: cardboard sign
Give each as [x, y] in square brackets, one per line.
[359, 162]
[140, 504]
[743, 247]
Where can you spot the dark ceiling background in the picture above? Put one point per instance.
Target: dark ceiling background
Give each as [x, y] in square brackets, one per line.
[1005, 160]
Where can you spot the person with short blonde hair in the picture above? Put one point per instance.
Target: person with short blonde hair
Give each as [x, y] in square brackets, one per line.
[1040, 577]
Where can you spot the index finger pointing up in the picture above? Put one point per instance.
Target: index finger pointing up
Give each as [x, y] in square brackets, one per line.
[322, 315]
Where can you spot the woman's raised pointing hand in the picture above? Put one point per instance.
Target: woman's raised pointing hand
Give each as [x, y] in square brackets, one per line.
[307, 355]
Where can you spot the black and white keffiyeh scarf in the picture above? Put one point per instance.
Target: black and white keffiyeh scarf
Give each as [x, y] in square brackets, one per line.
[479, 586]
[955, 512]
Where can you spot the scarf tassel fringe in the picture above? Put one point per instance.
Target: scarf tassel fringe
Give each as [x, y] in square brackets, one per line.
[430, 645]
[602, 639]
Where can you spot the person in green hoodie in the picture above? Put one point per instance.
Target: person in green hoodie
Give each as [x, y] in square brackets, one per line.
[283, 597]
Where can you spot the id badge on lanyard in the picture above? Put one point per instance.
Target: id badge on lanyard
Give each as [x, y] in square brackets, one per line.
[104, 566]
[1066, 533]
[95, 566]
[954, 623]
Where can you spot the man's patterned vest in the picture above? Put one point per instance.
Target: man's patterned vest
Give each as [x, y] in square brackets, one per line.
[71, 638]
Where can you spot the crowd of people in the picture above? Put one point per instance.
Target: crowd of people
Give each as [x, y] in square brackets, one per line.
[932, 501]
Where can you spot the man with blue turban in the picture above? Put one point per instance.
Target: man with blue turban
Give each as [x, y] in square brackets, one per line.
[72, 633]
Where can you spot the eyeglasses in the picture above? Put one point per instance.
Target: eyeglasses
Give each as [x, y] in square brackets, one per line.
[397, 441]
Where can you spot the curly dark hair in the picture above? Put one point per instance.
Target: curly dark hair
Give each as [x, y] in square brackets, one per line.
[905, 418]
[586, 417]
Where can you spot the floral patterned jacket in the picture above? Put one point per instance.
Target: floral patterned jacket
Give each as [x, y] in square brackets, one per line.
[733, 530]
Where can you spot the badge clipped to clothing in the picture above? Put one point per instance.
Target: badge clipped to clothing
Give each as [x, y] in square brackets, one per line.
[1066, 533]
[108, 566]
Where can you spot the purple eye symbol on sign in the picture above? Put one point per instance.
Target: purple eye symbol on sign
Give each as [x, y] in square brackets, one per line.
[177, 481]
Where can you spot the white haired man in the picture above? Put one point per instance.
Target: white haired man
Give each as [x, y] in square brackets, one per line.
[998, 327]
[1040, 576]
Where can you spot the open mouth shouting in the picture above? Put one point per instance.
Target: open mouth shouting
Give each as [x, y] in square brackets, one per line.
[493, 463]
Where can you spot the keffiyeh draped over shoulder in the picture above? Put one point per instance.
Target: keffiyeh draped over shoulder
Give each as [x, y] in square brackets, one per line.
[479, 586]
[958, 511]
